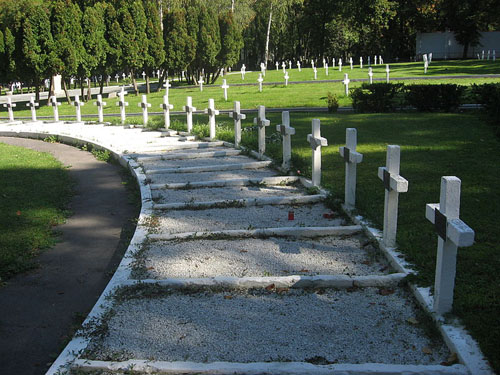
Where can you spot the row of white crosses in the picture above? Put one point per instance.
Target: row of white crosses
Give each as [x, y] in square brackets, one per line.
[488, 56]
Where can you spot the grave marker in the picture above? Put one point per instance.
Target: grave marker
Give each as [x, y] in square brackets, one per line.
[430, 57]
[375, 60]
[452, 233]
[287, 77]
[298, 66]
[394, 184]
[212, 112]
[315, 73]
[78, 106]
[243, 71]
[370, 74]
[283, 66]
[122, 104]
[369, 62]
[143, 75]
[117, 77]
[488, 58]
[9, 105]
[346, 83]
[350, 62]
[55, 107]
[326, 68]
[144, 105]
[260, 80]
[200, 82]
[380, 60]
[32, 106]
[189, 109]
[316, 142]
[361, 62]
[167, 86]
[237, 116]
[351, 158]
[387, 70]
[262, 122]
[286, 132]
[166, 106]
[290, 65]
[277, 66]
[225, 86]
[333, 63]
[100, 108]
[340, 65]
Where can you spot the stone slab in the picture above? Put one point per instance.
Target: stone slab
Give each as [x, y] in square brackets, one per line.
[186, 163]
[208, 176]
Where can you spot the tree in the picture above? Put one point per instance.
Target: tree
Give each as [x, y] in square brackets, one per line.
[232, 40]
[209, 44]
[155, 55]
[114, 39]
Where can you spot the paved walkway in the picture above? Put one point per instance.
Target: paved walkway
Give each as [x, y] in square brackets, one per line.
[236, 268]
[39, 309]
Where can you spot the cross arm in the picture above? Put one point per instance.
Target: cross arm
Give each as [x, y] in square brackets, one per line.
[456, 230]
[316, 142]
[166, 106]
[350, 156]
[237, 116]
[396, 183]
[285, 130]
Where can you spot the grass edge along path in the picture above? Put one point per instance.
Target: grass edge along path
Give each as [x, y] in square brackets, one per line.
[35, 189]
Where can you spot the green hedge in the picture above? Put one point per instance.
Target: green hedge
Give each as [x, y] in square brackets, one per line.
[488, 95]
[376, 97]
[426, 98]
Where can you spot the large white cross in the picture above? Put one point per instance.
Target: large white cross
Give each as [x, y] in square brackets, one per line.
[260, 80]
[100, 107]
[167, 86]
[380, 60]
[286, 132]
[326, 68]
[315, 73]
[351, 159]
[346, 83]
[361, 62]
[277, 66]
[200, 82]
[370, 74]
[9, 105]
[287, 77]
[340, 65]
[55, 106]
[375, 60]
[316, 141]
[32, 106]
[122, 104]
[243, 70]
[212, 112]
[144, 105]
[453, 233]
[290, 65]
[189, 109]
[283, 66]
[298, 66]
[237, 116]
[78, 106]
[333, 62]
[225, 86]
[394, 184]
[387, 71]
[166, 106]
[262, 122]
[350, 62]
[143, 75]
[117, 77]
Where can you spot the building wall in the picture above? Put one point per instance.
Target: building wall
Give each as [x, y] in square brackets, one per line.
[444, 46]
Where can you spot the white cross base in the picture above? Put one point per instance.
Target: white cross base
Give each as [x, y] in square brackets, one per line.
[316, 142]
[394, 184]
[212, 112]
[453, 233]
[351, 158]
[237, 116]
[286, 132]
[262, 122]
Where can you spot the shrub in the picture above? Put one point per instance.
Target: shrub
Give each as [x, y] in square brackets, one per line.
[488, 95]
[333, 102]
[376, 97]
[434, 97]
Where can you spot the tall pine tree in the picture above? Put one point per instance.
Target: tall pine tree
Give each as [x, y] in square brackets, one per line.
[155, 54]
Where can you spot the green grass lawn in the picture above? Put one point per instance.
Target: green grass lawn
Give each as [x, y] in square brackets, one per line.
[34, 191]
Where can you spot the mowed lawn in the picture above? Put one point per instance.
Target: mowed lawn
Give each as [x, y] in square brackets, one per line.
[34, 191]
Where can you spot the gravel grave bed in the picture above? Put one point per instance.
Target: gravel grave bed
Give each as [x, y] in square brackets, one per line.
[252, 217]
[166, 178]
[225, 193]
[260, 257]
[183, 163]
[362, 326]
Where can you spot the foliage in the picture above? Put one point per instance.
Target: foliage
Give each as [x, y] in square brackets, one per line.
[333, 102]
[445, 97]
[376, 97]
[488, 95]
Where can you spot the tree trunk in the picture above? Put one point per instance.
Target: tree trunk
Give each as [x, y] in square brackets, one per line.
[51, 89]
[81, 89]
[148, 89]
[161, 79]
[136, 89]
[268, 36]
[66, 92]
[101, 84]
[89, 90]
[37, 91]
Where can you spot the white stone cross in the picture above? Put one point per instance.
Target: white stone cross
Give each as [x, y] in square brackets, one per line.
[361, 62]
[9, 105]
[225, 86]
[277, 66]
[166, 106]
[32, 106]
[298, 66]
[262, 122]
[387, 71]
[122, 104]
[430, 57]
[370, 74]
[200, 82]
[182, 75]
[326, 68]
[394, 184]
[243, 71]
[212, 112]
[237, 116]
[312, 64]
[100, 108]
[123, 75]
[340, 65]
[260, 80]
[346, 82]
[488, 55]
[426, 65]
[222, 72]
[316, 141]
[263, 69]
[189, 109]
[283, 66]
[333, 62]
[351, 158]
[55, 106]
[376, 60]
[78, 106]
[380, 61]
[324, 62]
[144, 105]
[453, 233]
[143, 75]
[290, 65]
[117, 77]
[167, 86]
[286, 132]
[315, 73]
[287, 77]
[350, 62]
